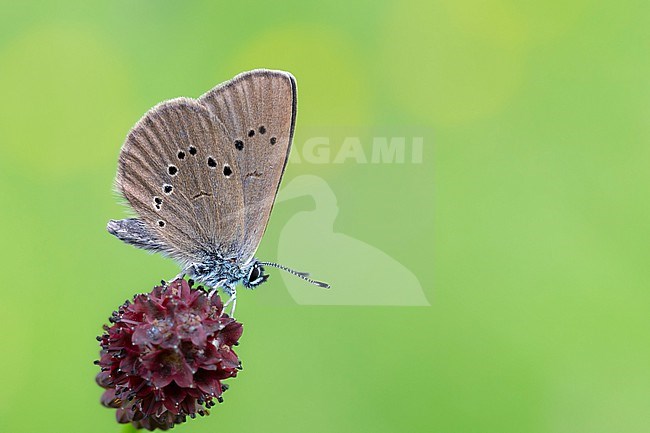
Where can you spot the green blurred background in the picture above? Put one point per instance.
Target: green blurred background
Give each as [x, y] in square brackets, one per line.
[527, 223]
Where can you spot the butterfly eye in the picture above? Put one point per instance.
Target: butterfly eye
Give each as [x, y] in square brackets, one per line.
[254, 275]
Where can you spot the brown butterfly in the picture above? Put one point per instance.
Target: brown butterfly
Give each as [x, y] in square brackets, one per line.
[202, 176]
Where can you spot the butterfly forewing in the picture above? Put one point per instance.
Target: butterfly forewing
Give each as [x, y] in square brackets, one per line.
[258, 111]
[203, 174]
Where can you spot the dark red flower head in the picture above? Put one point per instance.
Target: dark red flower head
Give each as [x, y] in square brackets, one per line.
[166, 354]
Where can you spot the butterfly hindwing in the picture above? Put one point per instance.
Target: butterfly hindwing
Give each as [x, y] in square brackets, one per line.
[172, 170]
[134, 231]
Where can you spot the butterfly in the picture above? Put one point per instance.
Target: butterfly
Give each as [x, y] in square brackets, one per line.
[202, 176]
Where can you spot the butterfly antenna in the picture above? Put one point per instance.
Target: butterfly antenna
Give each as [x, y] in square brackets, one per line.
[303, 275]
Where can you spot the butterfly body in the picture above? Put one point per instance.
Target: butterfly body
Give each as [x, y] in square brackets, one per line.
[219, 272]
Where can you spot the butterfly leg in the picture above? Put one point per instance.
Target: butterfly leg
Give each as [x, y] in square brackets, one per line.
[232, 301]
[234, 304]
[178, 277]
